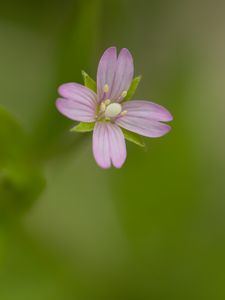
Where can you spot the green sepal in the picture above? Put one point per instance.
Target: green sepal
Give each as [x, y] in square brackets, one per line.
[83, 127]
[134, 84]
[133, 137]
[89, 82]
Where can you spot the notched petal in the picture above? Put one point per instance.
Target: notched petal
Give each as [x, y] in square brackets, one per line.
[123, 75]
[106, 71]
[108, 145]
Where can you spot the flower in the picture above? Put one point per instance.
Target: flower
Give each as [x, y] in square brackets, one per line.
[109, 111]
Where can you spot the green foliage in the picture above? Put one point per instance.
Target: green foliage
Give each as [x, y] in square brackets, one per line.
[83, 127]
[134, 84]
[11, 135]
[20, 178]
[21, 156]
[133, 137]
[89, 82]
[78, 39]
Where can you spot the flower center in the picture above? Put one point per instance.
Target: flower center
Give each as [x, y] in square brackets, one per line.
[113, 110]
[107, 109]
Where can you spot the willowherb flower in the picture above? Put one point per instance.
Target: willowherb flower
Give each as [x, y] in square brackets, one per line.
[105, 110]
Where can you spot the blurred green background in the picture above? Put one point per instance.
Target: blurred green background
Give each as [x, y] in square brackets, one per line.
[154, 229]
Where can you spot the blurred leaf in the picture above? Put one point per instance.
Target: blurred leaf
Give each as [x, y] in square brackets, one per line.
[83, 127]
[20, 178]
[11, 134]
[134, 84]
[20, 185]
[76, 48]
[89, 82]
[133, 137]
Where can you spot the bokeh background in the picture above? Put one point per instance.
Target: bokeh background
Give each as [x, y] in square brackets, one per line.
[154, 229]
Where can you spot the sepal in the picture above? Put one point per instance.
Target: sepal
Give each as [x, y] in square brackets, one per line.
[134, 84]
[83, 127]
[89, 82]
[133, 137]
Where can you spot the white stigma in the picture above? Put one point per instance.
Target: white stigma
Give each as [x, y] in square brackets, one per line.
[105, 88]
[113, 110]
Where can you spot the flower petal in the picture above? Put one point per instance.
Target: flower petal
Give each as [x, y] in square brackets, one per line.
[79, 93]
[106, 71]
[79, 103]
[148, 110]
[117, 143]
[108, 145]
[143, 118]
[123, 75]
[75, 110]
[101, 145]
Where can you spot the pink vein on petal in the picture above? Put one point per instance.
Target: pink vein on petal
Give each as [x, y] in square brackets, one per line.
[106, 71]
[108, 145]
[123, 75]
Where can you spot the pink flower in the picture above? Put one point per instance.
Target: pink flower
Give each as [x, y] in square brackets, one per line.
[108, 110]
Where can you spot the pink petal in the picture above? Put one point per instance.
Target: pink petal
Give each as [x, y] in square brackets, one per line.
[123, 76]
[108, 145]
[143, 126]
[147, 110]
[117, 145]
[75, 110]
[78, 92]
[79, 103]
[106, 71]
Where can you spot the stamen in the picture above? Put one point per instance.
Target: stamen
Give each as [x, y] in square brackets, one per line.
[107, 101]
[102, 106]
[123, 113]
[124, 93]
[106, 88]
